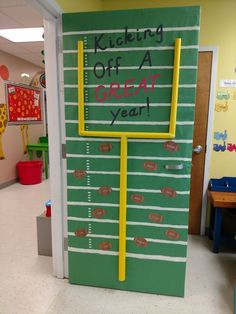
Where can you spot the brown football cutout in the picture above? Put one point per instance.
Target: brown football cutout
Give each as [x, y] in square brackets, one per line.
[172, 234]
[98, 213]
[105, 246]
[150, 165]
[81, 232]
[140, 241]
[155, 217]
[168, 191]
[105, 147]
[105, 190]
[171, 146]
[137, 198]
[79, 174]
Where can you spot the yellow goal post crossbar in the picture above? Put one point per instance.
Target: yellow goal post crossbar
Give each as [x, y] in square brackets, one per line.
[124, 142]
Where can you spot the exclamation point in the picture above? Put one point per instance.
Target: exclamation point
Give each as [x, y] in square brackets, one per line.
[148, 106]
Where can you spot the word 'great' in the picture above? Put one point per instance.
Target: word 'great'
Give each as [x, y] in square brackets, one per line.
[103, 43]
[117, 91]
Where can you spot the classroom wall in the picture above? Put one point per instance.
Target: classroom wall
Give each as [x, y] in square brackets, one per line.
[218, 25]
[11, 138]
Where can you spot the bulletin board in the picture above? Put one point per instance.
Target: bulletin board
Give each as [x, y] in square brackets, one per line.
[24, 104]
[128, 69]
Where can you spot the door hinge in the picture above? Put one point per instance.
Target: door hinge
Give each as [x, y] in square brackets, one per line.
[63, 151]
[65, 244]
[59, 44]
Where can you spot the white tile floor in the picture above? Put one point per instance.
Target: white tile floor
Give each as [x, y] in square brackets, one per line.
[28, 287]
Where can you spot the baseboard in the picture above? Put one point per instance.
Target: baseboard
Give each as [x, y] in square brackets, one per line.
[6, 184]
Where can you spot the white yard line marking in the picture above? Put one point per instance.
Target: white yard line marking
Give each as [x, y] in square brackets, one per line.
[156, 48]
[132, 30]
[140, 123]
[131, 255]
[134, 223]
[102, 139]
[158, 208]
[107, 236]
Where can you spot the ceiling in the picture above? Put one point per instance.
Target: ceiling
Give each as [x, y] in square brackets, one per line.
[18, 14]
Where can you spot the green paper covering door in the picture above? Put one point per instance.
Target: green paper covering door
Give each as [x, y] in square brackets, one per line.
[128, 70]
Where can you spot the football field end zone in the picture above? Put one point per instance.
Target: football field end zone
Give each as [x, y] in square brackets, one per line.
[98, 271]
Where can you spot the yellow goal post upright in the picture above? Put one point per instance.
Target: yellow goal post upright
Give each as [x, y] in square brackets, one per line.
[124, 142]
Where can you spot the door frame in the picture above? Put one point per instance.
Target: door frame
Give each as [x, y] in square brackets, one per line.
[51, 14]
[214, 51]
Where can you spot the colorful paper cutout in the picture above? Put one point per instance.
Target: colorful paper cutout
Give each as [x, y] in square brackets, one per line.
[80, 174]
[221, 107]
[81, 232]
[172, 234]
[150, 165]
[141, 242]
[137, 198]
[3, 124]
[4, 72]
[171, 146]
[220, 135]
[105, 245]
[99, 213]
[167, 191]
[105, 190]
[223, 95]
[155, 217]
[105, 147]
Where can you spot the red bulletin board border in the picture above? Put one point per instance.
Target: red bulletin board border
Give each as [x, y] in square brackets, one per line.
[24, 103]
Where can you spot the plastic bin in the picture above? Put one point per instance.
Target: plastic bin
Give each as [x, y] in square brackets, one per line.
[30, 172]
[225, 184]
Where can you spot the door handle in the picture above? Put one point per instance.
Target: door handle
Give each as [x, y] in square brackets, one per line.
[174, 167]
[197, 149]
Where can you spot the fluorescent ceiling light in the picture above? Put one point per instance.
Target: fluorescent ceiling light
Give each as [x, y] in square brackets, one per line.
[20, 35]
[24, 75]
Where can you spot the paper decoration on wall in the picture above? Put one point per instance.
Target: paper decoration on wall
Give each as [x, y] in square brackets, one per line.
[222, 103]
[220, 135]
[4, 72]
[228, 83]
[42, 80]
[223, 95]
[222, 147]
[221, 106]
[3, 124]
[231, 147]
[24, 104]
[122, 51]
[36, 79]
[219, 147]
[25, 137]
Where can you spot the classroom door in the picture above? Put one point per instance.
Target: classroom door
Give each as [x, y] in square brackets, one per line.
[128, 84]
[199, 140]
